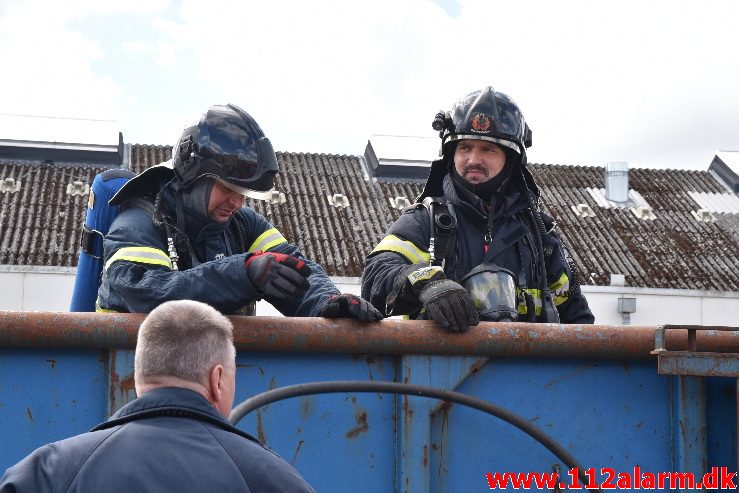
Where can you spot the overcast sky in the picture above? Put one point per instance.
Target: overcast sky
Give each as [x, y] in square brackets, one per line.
[654, 83]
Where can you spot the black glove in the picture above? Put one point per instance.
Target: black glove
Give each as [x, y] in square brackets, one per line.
[446, 302]
[347, 305]
[278, 277]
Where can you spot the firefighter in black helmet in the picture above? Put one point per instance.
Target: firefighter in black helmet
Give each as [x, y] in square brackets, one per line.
[475, 245]
[228, 145]
[184, 232]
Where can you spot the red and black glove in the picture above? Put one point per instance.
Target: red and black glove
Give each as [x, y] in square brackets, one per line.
[277, 276]
[349, 306]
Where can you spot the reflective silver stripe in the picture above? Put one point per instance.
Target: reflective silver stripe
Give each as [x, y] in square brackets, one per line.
[269, 239]
[140, 255]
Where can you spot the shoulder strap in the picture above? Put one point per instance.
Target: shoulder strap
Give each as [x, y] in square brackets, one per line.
[442, 227]
[238, 226]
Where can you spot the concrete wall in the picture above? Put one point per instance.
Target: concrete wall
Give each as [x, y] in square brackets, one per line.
[50, 289]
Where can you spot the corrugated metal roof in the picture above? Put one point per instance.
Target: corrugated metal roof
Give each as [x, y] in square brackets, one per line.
[40, 223]
[672, 251]
[720, 203]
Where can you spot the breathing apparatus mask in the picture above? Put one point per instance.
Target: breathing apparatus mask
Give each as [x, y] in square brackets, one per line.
[493, 292]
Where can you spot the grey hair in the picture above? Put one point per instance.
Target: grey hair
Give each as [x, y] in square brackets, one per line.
[183, 339]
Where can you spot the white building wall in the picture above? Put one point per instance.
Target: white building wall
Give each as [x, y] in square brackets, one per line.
[50, 289]
[664, 306]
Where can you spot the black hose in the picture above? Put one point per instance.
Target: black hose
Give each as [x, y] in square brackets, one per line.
[270, 396]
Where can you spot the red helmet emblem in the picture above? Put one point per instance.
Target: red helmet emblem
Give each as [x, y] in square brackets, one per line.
[481, 122]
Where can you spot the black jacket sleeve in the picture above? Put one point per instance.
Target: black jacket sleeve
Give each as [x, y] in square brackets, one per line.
[406, 243]
[574, 309]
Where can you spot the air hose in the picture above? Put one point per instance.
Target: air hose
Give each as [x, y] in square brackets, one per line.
[270, 396]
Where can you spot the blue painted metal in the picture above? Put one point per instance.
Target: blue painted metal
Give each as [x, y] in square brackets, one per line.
[47, 395]
[689, 424]
[612, 411]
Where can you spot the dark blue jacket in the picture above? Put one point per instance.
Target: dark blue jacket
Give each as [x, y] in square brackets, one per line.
[138, 275]
[407, 242]
[169, 439]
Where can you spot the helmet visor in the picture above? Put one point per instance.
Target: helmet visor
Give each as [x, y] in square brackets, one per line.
[493, 291]
[244, 173]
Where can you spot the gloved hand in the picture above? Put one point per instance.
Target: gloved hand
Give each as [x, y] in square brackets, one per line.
[446, 302]
[277, 276]
[347, 305]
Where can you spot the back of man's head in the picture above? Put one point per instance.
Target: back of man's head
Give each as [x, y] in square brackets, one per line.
[182, 340]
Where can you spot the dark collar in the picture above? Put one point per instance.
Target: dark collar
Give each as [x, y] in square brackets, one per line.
[174, 402]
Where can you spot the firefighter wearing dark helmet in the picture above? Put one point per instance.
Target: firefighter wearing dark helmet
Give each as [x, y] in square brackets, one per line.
[475, 245]
[184, 233]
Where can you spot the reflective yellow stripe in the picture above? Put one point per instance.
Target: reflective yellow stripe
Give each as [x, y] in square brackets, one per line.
[140, 255]
[269, 239]
[102, 310]
[407, 249]
[560, 289]
[535, 294]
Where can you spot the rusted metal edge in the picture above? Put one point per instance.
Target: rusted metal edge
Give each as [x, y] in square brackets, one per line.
[704, 364]
[319, 335]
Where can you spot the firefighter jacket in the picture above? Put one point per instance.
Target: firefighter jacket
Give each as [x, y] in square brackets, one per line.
[509, 246]
[138, 273]
[169, 439]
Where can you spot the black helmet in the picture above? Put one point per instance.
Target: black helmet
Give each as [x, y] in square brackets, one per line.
[484, 115]
[481, 115]
[228, 145]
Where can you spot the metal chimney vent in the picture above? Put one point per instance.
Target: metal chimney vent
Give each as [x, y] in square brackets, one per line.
[10, 185]
[617, 182]
[400, 203]
[338, 200]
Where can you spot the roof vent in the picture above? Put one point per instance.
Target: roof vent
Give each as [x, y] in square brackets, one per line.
[617, 182]
[271, 196]
[78, 188]
[618, 280]
[704, 215]
[400, 203]
[644, 213]
[276, 197]
[10, 185]
[583, 210]
[338, 200]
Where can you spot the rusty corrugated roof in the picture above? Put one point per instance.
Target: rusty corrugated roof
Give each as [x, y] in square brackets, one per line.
[40, 223]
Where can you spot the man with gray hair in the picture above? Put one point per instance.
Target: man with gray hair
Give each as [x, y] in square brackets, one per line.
[174, 436]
